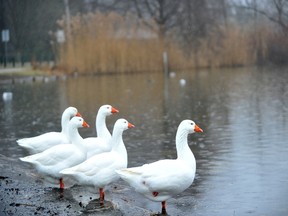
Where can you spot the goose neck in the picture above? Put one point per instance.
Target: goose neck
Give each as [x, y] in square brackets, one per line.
[183, 150]
[116, 138]
[118, 144]
[64, 123]
[101, 128]
[74, 136]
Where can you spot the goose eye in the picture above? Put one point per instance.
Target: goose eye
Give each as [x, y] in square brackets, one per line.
[192, 123]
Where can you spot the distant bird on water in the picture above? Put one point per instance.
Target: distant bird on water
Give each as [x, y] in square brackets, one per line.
[7, 96]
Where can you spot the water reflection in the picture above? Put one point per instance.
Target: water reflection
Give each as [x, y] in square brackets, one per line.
[241, 156]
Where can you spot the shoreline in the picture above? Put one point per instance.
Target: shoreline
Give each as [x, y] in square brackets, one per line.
[22, 193]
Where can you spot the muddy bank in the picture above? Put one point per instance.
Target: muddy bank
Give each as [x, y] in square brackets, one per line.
[23, 193]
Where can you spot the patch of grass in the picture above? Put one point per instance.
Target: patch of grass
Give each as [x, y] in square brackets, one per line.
[21, 72]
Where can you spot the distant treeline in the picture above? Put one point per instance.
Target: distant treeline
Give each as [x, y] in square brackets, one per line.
[131, 35]
[107, 43]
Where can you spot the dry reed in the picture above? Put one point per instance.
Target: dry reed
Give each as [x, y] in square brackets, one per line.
[109, 43]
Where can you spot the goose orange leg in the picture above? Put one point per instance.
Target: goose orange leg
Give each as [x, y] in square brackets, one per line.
[102, 195]
[164, 212]
[61, 184]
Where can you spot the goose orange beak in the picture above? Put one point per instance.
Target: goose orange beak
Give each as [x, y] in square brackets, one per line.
[78, 114]
[130, 125]
[198, 129]
[114, 110]
[85, 124]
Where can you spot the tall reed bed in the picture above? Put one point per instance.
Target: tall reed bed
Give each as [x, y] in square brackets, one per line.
[109, 43]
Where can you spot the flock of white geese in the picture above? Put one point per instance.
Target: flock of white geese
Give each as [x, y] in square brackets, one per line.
[98, 161]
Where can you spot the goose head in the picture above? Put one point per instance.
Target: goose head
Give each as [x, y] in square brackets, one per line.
[190, 126]
[123, 124]
[72, 111]
[107, 110]
[78, 122]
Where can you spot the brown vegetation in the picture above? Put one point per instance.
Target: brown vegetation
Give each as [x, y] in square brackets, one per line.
[109, 43]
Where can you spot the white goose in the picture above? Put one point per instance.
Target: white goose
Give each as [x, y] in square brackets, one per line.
[163, 179]
[100, 144]
[51, 161]
[99, 170]
[47, 140]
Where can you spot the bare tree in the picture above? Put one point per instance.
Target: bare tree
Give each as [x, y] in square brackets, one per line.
[29, 23]
[161, 12]
[196, 19]
[275, 10]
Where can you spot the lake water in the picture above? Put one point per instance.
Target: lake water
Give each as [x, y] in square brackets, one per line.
[242, 156]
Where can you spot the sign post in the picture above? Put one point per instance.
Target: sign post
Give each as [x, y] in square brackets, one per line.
[5, 39]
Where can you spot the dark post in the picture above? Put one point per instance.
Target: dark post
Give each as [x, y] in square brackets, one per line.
[165, 64]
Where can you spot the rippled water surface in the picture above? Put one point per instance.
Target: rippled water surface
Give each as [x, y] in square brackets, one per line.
[242, 165]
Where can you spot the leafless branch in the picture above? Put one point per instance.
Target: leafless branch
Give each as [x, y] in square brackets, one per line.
[278, 19]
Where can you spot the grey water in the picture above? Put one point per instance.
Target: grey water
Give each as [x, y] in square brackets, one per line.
[242, 155]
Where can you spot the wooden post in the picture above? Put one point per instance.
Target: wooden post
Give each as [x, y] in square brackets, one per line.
[165, 64]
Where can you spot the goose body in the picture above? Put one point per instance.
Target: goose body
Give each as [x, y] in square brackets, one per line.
[163, 179]
[159, 181]
[51, 161]
[99, 170]
[47, 140]
[100, 144]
